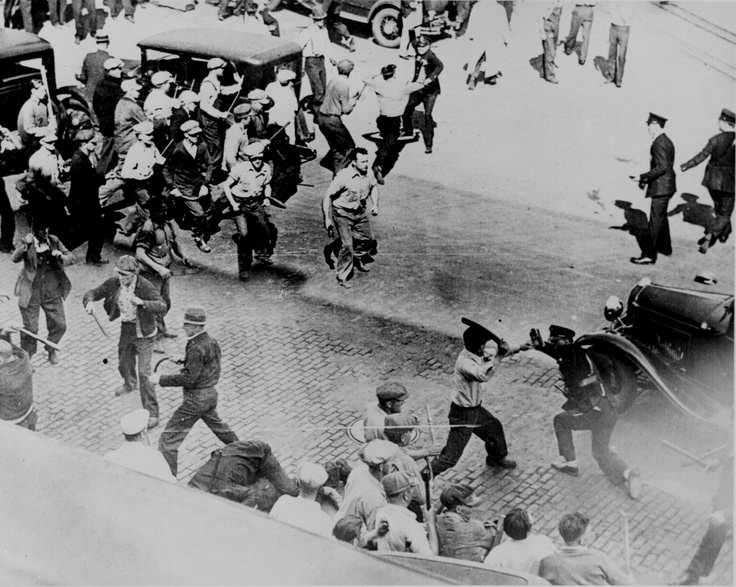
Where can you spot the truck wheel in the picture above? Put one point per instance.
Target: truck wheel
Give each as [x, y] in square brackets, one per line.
[619, 378]
[386, 27]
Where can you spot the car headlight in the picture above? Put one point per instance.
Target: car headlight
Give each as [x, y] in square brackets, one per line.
[613, 309]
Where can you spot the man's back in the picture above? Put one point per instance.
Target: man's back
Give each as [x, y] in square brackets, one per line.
[577, 565]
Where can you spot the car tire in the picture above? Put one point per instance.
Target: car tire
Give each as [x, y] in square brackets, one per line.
[386, 27]
[619, 379]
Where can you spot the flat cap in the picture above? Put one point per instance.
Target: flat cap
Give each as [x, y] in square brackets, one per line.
[318, 13]
[458, 494]
[126, 265]
[312, 475]
[159, 78]
[188, 97]
[216, 63]
[112, 63]
[388, 69]
[561, 331]
[191, 127]
[258, 96]
[144, 128]
[242, 111]
[194, 315]
[85, 135]
[396, 482]
[254, 149]
[135, 422]
[377, 452]
[130, 84]
[391, 390]
[285, 75]
[660, 120]
[49, 137]
[728, 116]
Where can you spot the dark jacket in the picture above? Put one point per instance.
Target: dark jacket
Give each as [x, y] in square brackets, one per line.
[106, 96]
[84, 189]
[93, 71]
[719, 173]
[201, 365]
[432, 69]
[27, 276]
[660, 179]
[188, 174]
[109, 290]
[179, 117]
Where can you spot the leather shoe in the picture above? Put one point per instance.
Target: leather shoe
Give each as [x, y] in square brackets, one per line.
[122, 390]
[566, 469]
[633, 484]
[53, 357]
[643, 260]
[327, 254]
[428, 150]
[504, 463]
[201, 245]
[344, 284]
[244, 275]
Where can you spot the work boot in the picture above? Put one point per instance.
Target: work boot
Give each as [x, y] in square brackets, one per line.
[633, 483]
[53, 357]
[504, 463]
[567, 467]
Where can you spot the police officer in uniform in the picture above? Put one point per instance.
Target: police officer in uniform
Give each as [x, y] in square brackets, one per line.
[588, 407]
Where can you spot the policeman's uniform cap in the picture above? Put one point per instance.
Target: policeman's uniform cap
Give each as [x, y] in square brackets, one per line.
[391, 390]
[561, 331]
[195, 316]
[377, 452]
[728, 116]
[258, 96]
[126, 265]
[159, 78]
[388, 69]
[706, 277]
[285, 75]
[216, 63]
[191, 127]
[312, 474]
[318, 13]
[49, 137]
[396, 483]
[102, 38]
[242, 111]
[188, 97]
[660, 120]
[423, 42]
[144, 128]
[135, 422]
[112, 63]
[130, 84]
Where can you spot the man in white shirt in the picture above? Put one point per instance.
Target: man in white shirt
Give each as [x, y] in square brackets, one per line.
[138, 170]
[618, 39]
[525, 550]
[304, 511]
[212, 115]
[136, 452]
[285, 105]
[315, 43]
[159, 104]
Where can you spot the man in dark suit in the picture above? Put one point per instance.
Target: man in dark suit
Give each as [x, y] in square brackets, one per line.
[104, 100]
[660, 184]
[427, 68]
[136, 302]
[719, 178]
[93, 66]
[42, 283]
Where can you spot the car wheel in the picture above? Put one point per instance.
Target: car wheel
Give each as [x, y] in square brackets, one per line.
[619, 379]
[386, 27]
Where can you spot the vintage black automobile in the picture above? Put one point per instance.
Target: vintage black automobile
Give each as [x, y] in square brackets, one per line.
[679, 341]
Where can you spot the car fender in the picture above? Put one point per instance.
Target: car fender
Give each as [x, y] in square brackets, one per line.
[609, 343]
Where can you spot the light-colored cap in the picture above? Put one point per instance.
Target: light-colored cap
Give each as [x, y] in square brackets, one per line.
[258, 96]
[159, 78]
[144, 128]
[129, 84]
[49, 137]
[216, 63]
[378, 451]
[254, 149]
[189, 97]
[135, 422]
[396, 482]
[285, 75]
[191, 127]
[312, 475]
[113, 63]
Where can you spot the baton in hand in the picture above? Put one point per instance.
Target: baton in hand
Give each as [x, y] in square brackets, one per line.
[99, 324]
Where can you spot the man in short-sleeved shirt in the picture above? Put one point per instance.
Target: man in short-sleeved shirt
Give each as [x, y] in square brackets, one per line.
[338, 100]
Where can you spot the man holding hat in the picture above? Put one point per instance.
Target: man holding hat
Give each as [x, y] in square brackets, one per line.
[188, 172]
[588, 407]
[718, 178]
[212, 114]
[188, 110]
[159, 104]
[304, 511]
[136, 452]
[105, 98]
[236, 136]
[393, 96]
[660, 186]
[285, 104]
[93, 66]
[315, 44]
[134, 300]
[427, 68]
[197, 378]
[248, 188]
[405, 533]
[475, 366]
[128, 113]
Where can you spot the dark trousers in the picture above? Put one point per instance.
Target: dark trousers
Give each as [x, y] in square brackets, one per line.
[7, 219]
[26, 11]
[618, 42]
[709, 548]
[107, 157]
[338, 138]
[658, 240]
[427, 100]
[582, 17]
[162, 286]
[255, 233]
[356, 238]
[117, 5]
[199, 404]
[93, 225]
[315, 70]
[485, 426]
[388, 151]
[130, 347]
[549, 45]
[213, 135]
[84, 23]
[720, 229]
[53, 308]
[601, 424]
[56, 11]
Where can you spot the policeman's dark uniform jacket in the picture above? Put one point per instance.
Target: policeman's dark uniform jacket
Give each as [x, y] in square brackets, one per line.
[472, 373]
[197, 378]
[104, 100]
[588, 406]
[84, 202]
[16, 389]
[660, 187]
[719, 177]
[136, 334]
[246, 472]
[93, 70]
[427, 68]
[42, 284]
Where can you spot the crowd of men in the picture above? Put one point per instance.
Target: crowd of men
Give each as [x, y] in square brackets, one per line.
[201, 157]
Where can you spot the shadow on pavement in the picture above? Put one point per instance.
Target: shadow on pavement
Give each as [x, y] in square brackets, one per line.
[693, 212]
[635, 222]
